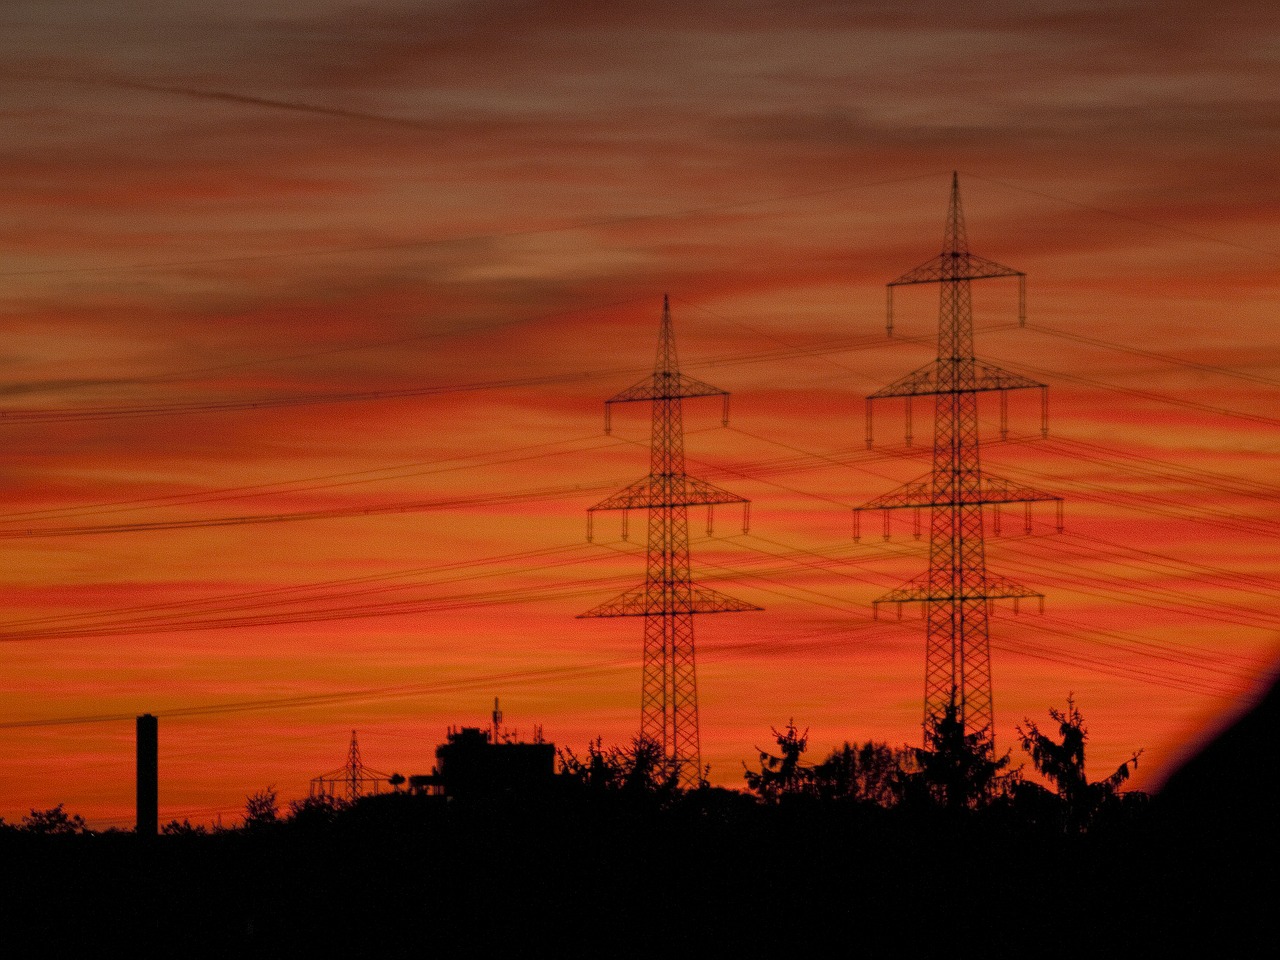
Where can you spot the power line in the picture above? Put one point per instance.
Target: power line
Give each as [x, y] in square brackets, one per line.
[480, 681]
[165, 618]
[1154, 355]
[594, 223]
[74, 414]
[321, 590]
[419, 506]
[1120, 215]
[123, 411]
[509, 455]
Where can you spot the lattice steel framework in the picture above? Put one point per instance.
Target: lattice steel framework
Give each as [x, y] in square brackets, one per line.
[669, 598]
[350, 781]
[957, 592]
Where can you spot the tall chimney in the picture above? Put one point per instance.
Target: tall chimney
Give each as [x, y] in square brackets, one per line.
[148, 776]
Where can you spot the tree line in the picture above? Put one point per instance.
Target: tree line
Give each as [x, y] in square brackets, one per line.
[954, 774]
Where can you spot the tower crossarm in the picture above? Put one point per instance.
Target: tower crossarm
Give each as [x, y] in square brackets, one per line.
[665, 385]
[644, 601]
[363, 773]
[934, 381]
[987, 376]
[920, 493]
[678, 490]
[926, 381]
[666, 491]
[992, 587]
[918, 383]
[997, 490]
[955, 265]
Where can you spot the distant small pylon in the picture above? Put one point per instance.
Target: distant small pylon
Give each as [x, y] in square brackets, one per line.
[669, 598]
[350, 780]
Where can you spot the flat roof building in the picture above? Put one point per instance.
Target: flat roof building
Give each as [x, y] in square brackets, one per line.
[469, 765]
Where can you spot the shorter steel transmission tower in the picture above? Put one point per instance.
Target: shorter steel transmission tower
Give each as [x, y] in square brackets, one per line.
[669, 598]
[350, 781]
[957, 592]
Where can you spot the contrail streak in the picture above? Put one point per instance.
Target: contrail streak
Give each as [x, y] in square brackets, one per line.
[226, 96]
[271, 103]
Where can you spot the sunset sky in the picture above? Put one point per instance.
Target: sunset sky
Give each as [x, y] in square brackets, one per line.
[310, 309]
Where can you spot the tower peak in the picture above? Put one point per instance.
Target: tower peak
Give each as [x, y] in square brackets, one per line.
[955, 242]
[668, 362]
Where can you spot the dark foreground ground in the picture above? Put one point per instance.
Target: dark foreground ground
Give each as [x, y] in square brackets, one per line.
[406, 876]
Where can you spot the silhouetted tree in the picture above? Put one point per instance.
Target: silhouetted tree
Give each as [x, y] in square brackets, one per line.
[645, 769]
[397, 781]
[871, 772]
[261, 809]
[184, 829]
[53, 822]
[958, 771]
[640, 771]
[781, 776]
[318, 810]
[1061, 762]
[600, 770]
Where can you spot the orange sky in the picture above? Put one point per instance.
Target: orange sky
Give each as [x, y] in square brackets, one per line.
[292, 236]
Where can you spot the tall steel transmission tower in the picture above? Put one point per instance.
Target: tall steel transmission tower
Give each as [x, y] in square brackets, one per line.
[957, 592]
[669, 598]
